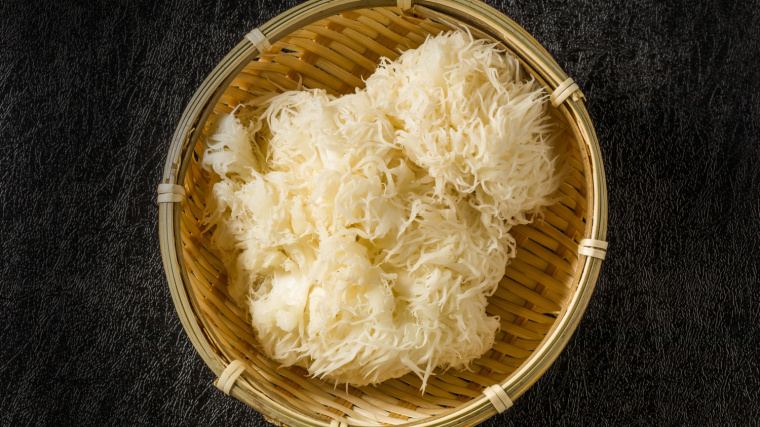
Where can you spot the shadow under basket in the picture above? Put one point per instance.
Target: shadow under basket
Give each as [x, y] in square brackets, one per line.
[334, 45]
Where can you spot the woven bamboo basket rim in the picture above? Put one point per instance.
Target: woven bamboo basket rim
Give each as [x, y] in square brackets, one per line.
[485, 22]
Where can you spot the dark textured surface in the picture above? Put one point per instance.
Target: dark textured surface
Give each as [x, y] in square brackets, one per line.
[90, 94]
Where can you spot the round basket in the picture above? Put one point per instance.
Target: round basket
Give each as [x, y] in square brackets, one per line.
[335, 44]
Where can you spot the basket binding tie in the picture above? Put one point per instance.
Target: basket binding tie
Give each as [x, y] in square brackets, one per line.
[229, 376]
[259, 40]
[593, 248]
[336, 423]
[404, 5]
[564, 90]
[498, 397]
[170, 193]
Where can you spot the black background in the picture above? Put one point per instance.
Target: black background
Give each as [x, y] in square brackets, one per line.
[90, 94]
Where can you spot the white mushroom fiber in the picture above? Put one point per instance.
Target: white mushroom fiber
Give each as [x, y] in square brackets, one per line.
[365, 232]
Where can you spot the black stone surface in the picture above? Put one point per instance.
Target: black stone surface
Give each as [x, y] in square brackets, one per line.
[90, 93]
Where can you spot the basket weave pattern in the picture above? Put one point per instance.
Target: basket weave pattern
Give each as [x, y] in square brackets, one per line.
[336, 54]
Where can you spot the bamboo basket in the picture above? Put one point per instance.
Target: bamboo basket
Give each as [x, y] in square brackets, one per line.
[334, 44]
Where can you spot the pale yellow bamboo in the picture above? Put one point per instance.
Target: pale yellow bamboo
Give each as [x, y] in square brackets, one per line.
[333, 45]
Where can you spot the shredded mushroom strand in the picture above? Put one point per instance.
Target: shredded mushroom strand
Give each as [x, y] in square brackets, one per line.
[364, 233]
